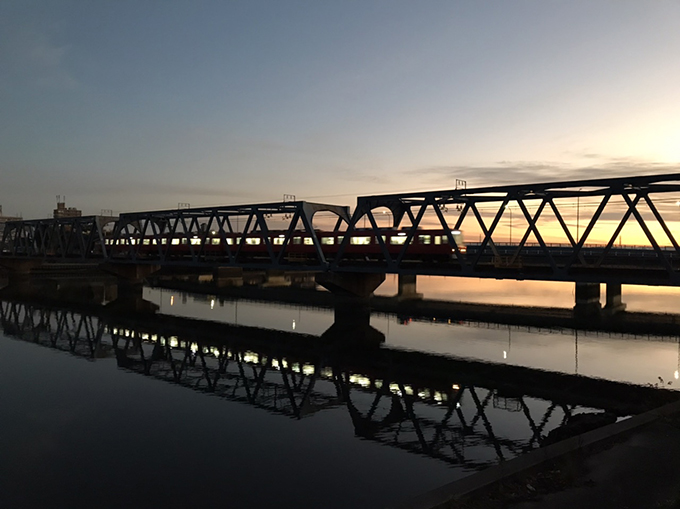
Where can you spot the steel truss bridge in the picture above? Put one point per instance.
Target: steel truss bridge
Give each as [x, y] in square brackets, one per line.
[442, 407]
[645, 201]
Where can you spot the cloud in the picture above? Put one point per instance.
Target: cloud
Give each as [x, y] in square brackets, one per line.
[526, 172]
[30, 58]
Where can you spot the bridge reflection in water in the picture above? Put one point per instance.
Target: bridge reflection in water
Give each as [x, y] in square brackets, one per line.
[465, 413]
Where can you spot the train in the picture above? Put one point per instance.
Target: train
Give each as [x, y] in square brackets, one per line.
[432, 244]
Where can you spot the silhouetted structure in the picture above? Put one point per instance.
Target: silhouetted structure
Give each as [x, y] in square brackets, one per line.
[4, 219]
[62, 211]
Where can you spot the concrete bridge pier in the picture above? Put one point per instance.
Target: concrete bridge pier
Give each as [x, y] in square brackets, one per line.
[228, 276]
[352, 311]
[406, 288]
[351, 284]
[129, 299]
[587, 300]
[130, 273]
[275, 278]
[613, 304]
[129, 284]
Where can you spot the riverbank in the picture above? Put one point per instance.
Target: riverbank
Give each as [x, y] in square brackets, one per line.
[629, 464]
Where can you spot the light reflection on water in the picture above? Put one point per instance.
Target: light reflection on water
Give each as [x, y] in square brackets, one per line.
[652, 299]
[55, 401]
[610, 356]
[65, 421]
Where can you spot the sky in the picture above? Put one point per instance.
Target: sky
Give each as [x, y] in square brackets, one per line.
[140, 105]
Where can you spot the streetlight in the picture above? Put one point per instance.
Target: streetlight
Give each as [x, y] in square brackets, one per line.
[578, 213]
[388, 217]
[507, 206]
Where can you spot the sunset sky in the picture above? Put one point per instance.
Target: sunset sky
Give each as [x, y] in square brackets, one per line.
[138, 105]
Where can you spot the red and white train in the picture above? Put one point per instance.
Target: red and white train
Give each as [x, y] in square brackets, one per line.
[426, 244]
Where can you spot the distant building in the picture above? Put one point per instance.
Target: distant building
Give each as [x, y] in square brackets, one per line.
[4, 219]
[62, 211]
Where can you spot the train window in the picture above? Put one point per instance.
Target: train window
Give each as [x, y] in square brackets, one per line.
[230, 241]
[360, 241]
[278, 241]
[195, 242]
[383, 237]
[184, 241]
[308, 241]
[297, 240]
[164, 241]
[215, 242]
[424, 239]
[340, 237]
[146, 242]
[398, 240]
[252, 241]
[329, 241]
[174, 242]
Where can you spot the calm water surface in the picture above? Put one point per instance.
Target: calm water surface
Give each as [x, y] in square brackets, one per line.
[83, 429]
[625, 358]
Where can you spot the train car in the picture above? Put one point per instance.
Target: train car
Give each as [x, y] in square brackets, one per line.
[426, 245]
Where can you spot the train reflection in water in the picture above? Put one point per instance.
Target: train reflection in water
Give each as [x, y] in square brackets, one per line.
[465, 413]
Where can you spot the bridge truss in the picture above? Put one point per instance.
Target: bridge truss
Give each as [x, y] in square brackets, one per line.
[71, 238]
[221, 236]
[196, 228]
[574, 261]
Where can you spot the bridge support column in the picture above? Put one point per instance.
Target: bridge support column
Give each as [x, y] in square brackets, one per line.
[275, 278]
[129, 299]
[352, 311]
[351, 284]
[406, 285]
[228, 276]
[587, 300]
[614, 304]
[129, 284]
[130, 273]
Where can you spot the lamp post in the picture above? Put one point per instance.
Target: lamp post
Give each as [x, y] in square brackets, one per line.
[385, 213]
[510, 210]
[578, 213]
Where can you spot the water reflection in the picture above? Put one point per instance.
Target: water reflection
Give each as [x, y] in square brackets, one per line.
[465, 413]
[626, 357]
[651, 299]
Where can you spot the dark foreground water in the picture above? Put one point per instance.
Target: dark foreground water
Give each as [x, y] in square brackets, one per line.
[123, 410]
